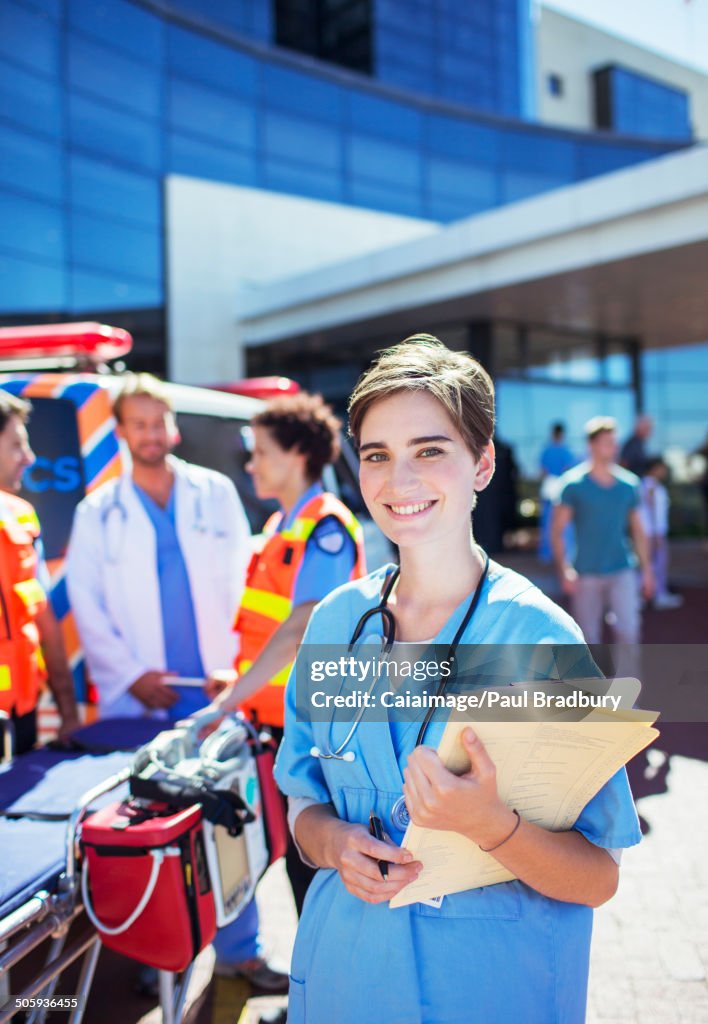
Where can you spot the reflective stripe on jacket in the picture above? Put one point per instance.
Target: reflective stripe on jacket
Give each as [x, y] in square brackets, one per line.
[267, 599]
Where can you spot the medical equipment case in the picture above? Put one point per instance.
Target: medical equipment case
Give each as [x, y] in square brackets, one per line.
[146, 884]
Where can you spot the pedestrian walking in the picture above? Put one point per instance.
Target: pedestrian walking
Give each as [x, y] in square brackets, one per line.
[556, 458]
[654, 511]
[602, 501]
[634, 450]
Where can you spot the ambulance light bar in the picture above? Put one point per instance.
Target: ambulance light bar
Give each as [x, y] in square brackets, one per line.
[260, 387]
[83, 342]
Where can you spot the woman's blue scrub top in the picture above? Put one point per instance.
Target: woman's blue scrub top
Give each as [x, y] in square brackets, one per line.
[496, 955]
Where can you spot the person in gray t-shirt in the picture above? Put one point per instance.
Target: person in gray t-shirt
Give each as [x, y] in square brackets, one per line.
[602, 500]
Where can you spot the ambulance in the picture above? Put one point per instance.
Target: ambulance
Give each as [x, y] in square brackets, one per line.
[71, 373]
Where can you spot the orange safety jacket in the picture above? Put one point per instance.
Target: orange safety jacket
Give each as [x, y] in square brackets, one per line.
[270, 585]
[22, 598]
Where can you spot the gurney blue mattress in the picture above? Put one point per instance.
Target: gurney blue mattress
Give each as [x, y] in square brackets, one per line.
[32, 853]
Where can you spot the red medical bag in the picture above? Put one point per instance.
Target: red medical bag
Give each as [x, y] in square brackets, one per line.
[145, 882]
[272, 801]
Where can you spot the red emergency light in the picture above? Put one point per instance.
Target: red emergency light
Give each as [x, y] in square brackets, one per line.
[94, 343]
[260, 387]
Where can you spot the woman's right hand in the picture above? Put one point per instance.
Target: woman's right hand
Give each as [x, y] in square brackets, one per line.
[355, 854]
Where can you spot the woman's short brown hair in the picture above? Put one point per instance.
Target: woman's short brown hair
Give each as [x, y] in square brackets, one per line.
[304, 422]
[422, 363]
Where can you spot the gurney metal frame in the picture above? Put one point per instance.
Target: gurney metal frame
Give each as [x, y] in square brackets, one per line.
[47, 915]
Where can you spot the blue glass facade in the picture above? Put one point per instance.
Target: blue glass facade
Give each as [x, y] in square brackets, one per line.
[466, 53]
[635, 104]
[98, 102]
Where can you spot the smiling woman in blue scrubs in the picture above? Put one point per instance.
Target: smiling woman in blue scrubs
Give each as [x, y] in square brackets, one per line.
[423, 418]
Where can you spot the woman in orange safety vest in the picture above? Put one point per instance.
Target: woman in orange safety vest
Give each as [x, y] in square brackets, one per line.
[312, 545]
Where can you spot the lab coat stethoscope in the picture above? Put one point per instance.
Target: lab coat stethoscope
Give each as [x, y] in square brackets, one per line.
[114, 517]
[382, 609]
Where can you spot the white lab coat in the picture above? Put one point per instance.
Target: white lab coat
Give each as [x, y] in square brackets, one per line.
[113, 585]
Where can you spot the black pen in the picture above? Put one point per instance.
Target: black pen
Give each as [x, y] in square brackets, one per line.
[376, 830]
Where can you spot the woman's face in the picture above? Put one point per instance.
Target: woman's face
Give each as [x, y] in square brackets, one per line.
[418, 477]
[273, 468]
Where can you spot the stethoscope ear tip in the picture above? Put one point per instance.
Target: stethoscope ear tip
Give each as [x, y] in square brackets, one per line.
[349, 756]
[315, 752]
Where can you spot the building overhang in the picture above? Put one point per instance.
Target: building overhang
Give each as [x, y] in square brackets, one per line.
[625, 254]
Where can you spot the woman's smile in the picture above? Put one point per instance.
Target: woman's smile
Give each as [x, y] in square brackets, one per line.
[409, 510]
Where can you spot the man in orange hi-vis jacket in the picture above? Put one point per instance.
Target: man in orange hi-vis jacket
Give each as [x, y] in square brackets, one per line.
[31, 644]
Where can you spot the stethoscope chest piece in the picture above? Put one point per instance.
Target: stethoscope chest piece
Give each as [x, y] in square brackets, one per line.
[400, 817]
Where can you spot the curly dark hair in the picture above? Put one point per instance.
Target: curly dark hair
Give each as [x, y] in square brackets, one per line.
[305, 422]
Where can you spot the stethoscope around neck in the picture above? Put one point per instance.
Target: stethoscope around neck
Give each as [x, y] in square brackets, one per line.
[382, 609]
[114, 520]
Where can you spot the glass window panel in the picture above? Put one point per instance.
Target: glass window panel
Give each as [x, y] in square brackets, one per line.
[407, 50]
[617, 365]
[340, 33]
[90, 291]
[212, 114]
[121, 24]
[506, 349]
[30, 101]
[28, 286]
[31, 227]
[301, 140]
[446, 210]
[384, 161]
[377, 116]
[129, 140]
[305, 181]
[685, 362]
[29, 38]
[391, 199]
[413, 79]
[30, 164]
[202, 160]
[302, 93]
[463, 139]
[456, 179]
[51, 7]
[100, 71]
[104, 188]
[193, 56]
[536, 151]
[107, 245]
[517, 185]
[556, 356]
[399, 15]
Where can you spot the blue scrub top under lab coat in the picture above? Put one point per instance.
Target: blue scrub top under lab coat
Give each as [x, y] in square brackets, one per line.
[179, 624]
[494, 955]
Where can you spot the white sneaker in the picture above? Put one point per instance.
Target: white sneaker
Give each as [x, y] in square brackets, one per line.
[663, 602]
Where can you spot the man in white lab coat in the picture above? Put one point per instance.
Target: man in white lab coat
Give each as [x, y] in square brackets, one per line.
[156, 567]
[155, 570]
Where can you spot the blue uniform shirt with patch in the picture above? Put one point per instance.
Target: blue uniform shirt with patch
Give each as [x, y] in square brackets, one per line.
[330, 554]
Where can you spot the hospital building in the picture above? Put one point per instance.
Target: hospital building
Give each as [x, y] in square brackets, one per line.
[260, 186]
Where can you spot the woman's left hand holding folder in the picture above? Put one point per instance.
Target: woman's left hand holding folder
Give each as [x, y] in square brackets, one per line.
[468, 804]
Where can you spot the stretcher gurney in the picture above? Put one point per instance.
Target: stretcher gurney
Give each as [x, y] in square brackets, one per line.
[43, 796]
[215, 848]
